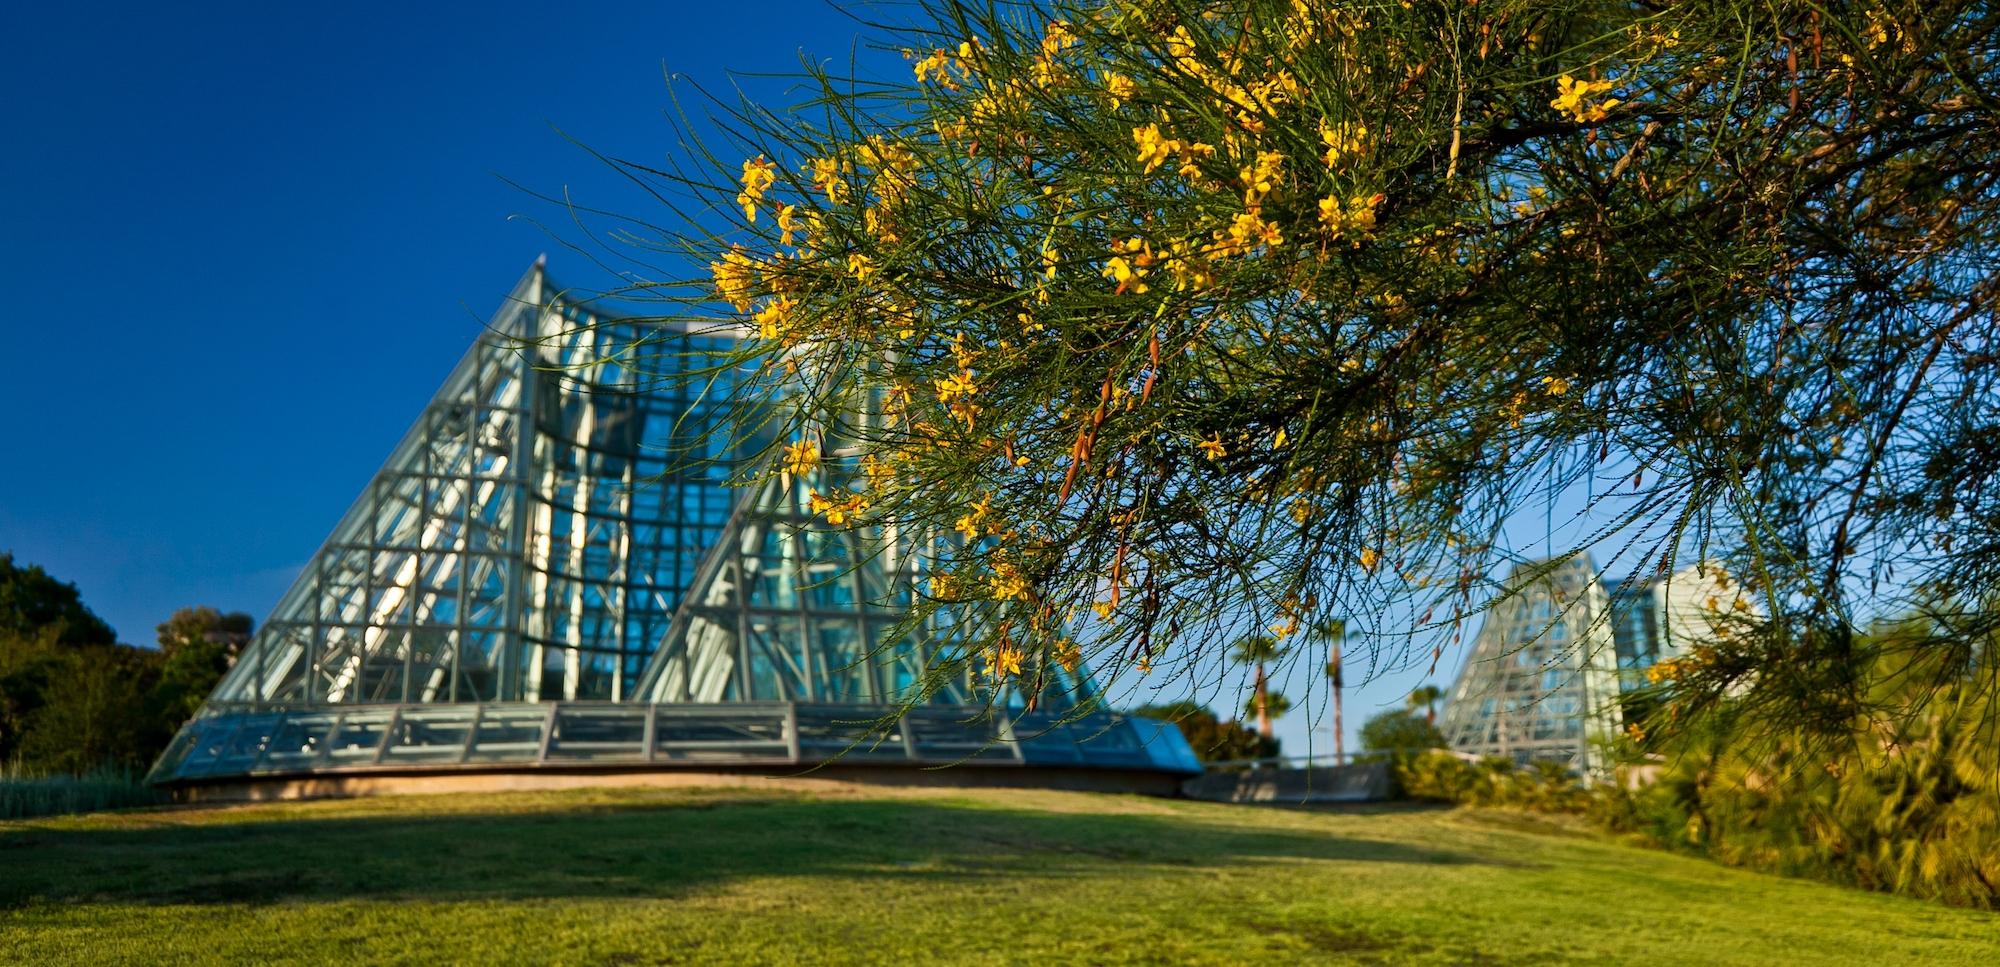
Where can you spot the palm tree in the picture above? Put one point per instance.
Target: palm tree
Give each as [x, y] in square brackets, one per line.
[1426, 697]
[1259, 651]
[1275, 705]
[1333, 631]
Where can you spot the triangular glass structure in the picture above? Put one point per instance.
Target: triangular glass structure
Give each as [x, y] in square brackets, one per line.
[527, 540]
[552, 569]
[1541, 679]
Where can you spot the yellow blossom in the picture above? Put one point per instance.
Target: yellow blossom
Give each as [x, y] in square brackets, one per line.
[735, 277]
[837, 512]
[829, 178]
[1555, 385]
[1154, 150]
[1353, 219]
[1260, 177]
[1343, 141]
[957, 386]
[801, 457]
[1003, 660]
[774, 318]
[1119, 88]
[788, 224]
[1212, 447]
[1130, 262]
[861, 266]
[1574, 99]
[1369, 558]
[1007, 582]
[1247, 231]
[936, 67]
[758, 176]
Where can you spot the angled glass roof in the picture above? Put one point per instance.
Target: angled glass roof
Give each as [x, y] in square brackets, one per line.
[557, 527]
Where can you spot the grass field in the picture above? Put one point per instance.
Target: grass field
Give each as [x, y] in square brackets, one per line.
[734, 876]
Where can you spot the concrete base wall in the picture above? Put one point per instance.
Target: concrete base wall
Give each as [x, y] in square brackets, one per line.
[1366, 782]
[266, 788]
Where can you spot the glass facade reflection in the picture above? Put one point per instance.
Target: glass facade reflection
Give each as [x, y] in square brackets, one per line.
[550, 568]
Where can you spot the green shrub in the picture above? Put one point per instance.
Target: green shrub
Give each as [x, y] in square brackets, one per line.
[25, 794]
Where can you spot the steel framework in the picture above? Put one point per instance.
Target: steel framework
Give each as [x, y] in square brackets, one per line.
[1541, 679]
[554, 547]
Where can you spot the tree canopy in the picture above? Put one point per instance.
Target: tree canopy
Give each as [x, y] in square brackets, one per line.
[1205, 320]
[1400, 730]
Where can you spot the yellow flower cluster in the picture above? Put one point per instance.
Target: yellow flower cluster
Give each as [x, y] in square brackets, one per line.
[1574, 98]
[1119, 89]
[1260, 177]
[735, 278]
[829, 177]
[758, 177]
[1156, 149]
[1344, 142]
[1007, 583]
[838, 512]
[774, 320]
[1353, 220]
[938, 68]
[1131, 261]
[1246, 231]
[978, 521]
[1004, 659]
[801, 457]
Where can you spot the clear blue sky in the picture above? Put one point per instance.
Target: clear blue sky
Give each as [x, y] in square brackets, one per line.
[243, 244]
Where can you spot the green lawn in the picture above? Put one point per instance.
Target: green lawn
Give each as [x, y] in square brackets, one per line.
[729, 876]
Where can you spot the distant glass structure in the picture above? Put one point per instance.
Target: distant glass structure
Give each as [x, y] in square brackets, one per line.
[1540, 682]
[1658, 618]
[550, 570]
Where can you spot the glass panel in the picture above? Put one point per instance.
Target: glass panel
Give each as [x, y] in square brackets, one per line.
[358, 738]
[599, 733]
[512, 735]
[711, 733]
[297, 741]
[430, 735]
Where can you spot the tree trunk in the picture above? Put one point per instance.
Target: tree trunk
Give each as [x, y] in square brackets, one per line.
[1339, 740]
[1263, 711]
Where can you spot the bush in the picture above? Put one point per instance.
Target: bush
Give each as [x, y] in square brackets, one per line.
[25, 794]
[1544, 787]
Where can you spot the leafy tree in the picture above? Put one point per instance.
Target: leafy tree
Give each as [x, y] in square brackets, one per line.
[72, 701]
[198, 644]
[1213, 739]
[205, 628]
[1225, 316]
[1425, 697]
[1400, 730]
[31, 600]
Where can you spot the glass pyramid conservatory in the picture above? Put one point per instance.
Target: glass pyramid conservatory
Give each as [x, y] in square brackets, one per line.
[536, 580]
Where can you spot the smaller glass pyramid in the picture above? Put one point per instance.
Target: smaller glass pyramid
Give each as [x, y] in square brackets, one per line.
[1541, 679]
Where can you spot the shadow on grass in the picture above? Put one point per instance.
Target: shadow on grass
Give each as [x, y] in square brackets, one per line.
[633, 850]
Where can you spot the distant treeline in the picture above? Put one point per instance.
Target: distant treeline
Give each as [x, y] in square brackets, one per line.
[73, 700]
